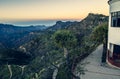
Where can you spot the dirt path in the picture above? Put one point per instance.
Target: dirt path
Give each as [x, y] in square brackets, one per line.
[94, 68]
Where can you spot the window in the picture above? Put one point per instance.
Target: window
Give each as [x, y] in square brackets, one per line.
[116, 51]
[115, 19]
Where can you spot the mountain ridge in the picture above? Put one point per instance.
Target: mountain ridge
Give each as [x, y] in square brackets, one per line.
[10, 34]
[46, 55]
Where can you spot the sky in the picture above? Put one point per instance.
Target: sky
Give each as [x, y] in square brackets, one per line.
[27, 12]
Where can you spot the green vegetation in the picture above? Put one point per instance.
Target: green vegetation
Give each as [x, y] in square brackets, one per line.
[100, 33]
[56, 49]
[12, 57]
[99, 36]
[66, 40]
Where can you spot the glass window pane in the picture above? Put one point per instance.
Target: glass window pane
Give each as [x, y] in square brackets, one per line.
[115, 19]
[118, 22]
[119, 13]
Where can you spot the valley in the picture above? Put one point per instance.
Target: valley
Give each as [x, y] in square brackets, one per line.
[46, 55]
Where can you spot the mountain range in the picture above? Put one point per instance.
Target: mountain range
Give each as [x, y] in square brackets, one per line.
[13, 36]
[46, 55]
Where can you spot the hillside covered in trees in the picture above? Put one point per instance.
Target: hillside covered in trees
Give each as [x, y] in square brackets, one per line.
[54, 52]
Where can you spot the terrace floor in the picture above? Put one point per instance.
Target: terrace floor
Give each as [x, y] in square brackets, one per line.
[94, 69]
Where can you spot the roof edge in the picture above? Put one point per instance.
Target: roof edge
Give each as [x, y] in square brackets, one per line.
[112, 1]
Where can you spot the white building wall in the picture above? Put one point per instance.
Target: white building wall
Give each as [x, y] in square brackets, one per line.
[114, 32]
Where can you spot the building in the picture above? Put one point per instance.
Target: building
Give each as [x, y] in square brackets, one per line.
[113, 54]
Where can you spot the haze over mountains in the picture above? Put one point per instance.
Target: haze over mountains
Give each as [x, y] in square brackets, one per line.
[11, 35]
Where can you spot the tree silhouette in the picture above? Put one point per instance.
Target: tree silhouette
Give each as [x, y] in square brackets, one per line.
[66, 40]
[99, 35]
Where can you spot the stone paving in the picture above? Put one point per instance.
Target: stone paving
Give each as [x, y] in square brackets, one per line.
[96, 70]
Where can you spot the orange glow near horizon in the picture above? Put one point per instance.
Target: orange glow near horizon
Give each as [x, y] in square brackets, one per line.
[50, 9]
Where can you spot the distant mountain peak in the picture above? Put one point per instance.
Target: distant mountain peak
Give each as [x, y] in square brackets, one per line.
[94, 16]
[58, 22]
[91, 21]
[61, 25]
